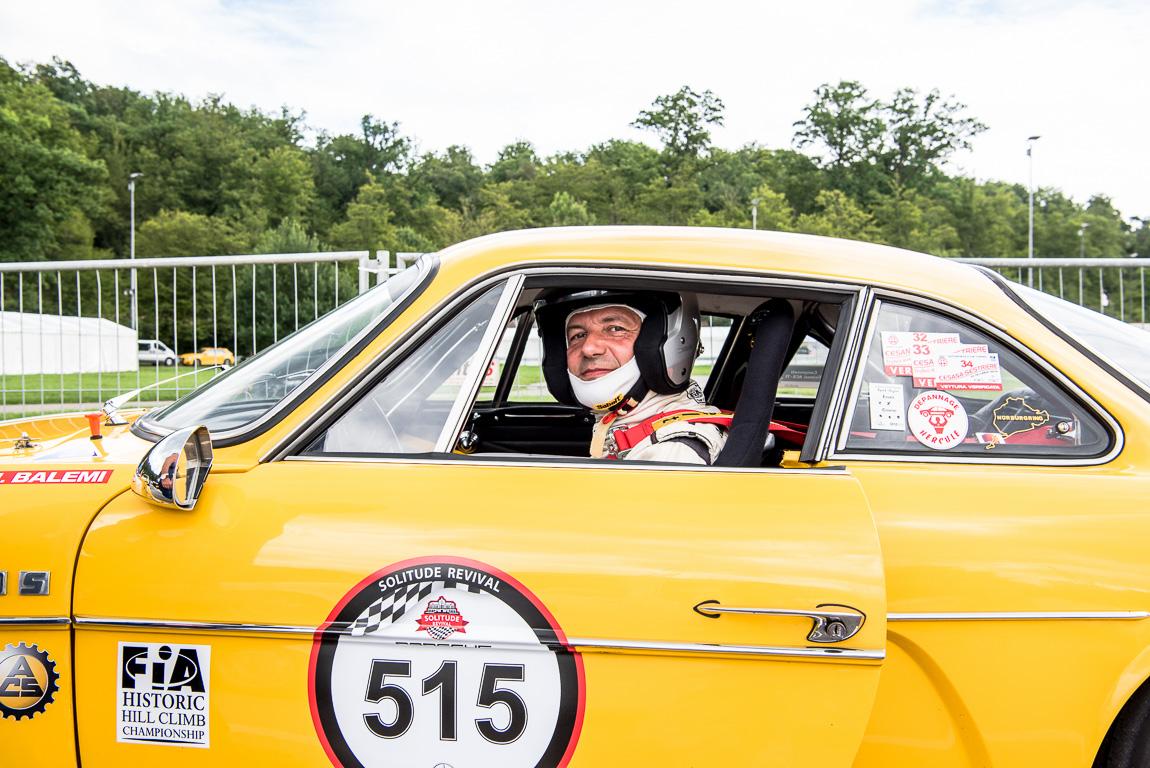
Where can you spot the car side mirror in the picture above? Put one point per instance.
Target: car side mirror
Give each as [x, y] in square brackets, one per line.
[172, 474]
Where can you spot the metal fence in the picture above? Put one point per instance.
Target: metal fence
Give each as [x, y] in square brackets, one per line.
[80, 322]
[70, 331]
[1115, 287]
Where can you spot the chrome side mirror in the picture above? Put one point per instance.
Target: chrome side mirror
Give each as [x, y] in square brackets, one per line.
[172, 474]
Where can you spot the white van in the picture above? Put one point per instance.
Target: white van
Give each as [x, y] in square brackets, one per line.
[156, 352]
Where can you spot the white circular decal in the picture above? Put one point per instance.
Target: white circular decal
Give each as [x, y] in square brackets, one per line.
[937, 420]
[445, 661]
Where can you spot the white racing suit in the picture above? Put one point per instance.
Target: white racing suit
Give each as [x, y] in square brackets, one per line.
[680, 428]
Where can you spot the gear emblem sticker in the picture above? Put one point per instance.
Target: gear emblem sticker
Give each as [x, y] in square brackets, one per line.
[27, 681]
[445, 661]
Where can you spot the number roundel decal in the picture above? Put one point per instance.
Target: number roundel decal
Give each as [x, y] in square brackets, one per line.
[445, 661]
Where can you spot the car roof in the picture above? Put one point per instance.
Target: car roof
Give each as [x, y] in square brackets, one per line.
[716, 249]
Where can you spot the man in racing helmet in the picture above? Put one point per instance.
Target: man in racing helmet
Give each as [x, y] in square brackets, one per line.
[628, 357]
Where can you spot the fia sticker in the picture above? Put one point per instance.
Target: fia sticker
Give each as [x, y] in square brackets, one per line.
[442, 660]
[28, 681]
[886, 407]
[163, 694]
[937, 420]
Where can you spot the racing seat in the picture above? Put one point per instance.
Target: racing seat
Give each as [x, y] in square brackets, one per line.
[750, 426]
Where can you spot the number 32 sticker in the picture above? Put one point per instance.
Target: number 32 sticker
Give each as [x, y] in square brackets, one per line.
[445, 661]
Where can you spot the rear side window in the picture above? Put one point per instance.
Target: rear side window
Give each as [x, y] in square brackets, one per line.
[934, 386]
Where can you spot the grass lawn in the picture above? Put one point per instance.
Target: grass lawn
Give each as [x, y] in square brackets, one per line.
[56, 388]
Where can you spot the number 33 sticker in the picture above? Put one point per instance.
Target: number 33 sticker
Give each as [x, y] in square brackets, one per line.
[445, 661]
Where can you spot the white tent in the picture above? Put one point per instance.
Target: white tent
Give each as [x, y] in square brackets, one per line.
[31, 343]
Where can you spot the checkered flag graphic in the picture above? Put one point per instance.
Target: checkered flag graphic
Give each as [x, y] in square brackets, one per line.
[389, 608]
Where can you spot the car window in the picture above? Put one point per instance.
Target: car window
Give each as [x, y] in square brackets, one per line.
[803, 373]
[249, 391]
[407, 410]
[933, 386]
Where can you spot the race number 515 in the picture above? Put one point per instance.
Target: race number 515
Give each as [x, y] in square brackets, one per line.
[443, 686]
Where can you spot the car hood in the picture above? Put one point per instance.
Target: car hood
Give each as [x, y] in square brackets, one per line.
[49, 494]
[66, 439]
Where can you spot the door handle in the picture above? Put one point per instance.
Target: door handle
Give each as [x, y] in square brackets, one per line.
[830, 626]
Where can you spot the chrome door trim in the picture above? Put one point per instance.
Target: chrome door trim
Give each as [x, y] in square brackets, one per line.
[574, 644]
[150, 625]
[830, 654]
[34, 621]
[1020, 616]
[302, 435]
[468, 393]
[582, 463]
[842, 393]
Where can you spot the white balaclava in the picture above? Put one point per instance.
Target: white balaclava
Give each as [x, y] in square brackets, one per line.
[608, 391]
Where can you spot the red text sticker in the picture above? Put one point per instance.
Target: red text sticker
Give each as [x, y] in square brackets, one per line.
[54, 476]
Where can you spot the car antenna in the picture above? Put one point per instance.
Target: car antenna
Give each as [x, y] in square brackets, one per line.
[111, 405]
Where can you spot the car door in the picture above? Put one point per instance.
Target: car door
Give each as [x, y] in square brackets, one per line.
[372, 598]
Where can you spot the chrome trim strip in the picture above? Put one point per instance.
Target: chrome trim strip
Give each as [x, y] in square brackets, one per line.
[578, 644]
[526, 460]
[1020, 616]
[461, 408]
[832, 654]
[840, 393]
[35, 621]
[293, 442]
[148, 625]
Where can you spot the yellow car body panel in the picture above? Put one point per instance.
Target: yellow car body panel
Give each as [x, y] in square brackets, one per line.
[270, 544]
[278, 548]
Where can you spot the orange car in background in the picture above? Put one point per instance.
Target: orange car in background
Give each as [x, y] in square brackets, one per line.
[209, 356]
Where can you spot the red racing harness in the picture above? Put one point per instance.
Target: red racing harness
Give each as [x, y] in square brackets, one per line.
[625, 438]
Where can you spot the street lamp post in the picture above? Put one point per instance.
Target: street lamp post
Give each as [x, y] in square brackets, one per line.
[1082, 240]
[755, 213]
[1030, 190]
[132, 247]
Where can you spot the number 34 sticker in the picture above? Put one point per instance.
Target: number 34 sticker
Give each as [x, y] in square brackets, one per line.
[445, 661]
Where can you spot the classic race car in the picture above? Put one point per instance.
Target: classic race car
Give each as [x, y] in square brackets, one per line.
[380, 542]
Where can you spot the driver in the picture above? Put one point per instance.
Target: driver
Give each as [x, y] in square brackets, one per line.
[628, 357]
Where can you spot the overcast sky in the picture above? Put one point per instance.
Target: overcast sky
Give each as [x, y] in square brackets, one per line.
[567, 75]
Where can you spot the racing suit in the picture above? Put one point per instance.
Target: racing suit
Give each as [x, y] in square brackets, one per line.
[640, 433]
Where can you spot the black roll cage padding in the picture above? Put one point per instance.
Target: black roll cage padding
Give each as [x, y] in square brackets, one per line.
[752, 421]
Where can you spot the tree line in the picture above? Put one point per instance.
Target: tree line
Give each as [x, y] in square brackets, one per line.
[220, 179]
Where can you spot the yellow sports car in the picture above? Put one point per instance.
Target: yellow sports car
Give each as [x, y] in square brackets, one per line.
[382, 542]
[209, 356]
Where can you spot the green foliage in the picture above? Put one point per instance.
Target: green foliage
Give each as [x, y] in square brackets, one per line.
[840, 217]
[566, 211]
[46, 177]
[218, 179]
[368, 224]
[680, 121]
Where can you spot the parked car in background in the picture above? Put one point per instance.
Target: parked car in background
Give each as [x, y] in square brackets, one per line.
[381, 541]
[209, 356]
[156, 352]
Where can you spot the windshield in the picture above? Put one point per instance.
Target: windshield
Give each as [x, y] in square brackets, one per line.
[1110, 339]
[254, 387]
